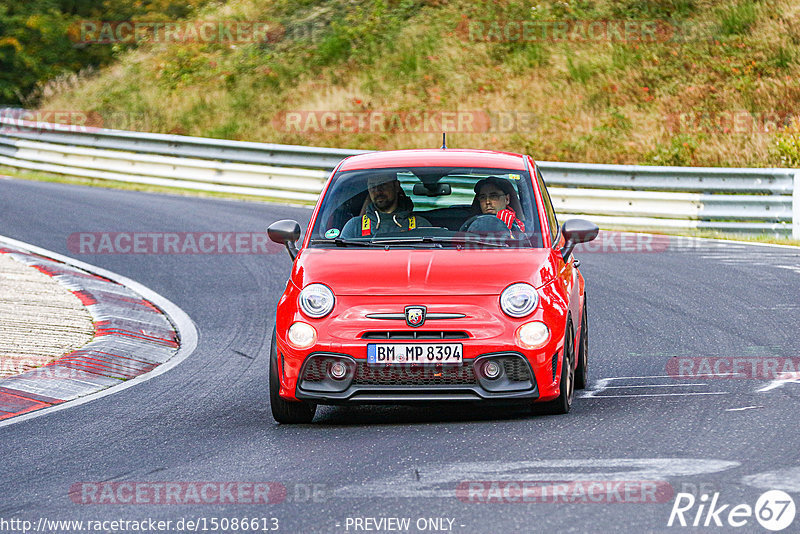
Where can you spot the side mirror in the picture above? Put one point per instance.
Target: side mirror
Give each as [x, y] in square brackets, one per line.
[286, 232]
[576, 231]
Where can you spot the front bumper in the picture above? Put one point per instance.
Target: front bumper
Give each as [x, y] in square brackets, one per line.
[395, 384]
[482, 331]
[401, 395]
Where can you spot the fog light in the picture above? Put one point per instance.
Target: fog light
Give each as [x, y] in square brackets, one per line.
[533, 335]
[492, 369]
[302, 335]
[338, 370]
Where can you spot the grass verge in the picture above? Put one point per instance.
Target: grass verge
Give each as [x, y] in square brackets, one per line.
[147, 188]
[715, 86]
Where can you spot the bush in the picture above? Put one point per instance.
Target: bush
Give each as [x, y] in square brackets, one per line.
[787, 147]
[680, 152]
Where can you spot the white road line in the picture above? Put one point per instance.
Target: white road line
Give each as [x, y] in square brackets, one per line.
[661, 376]
[743, 408]
[652, 395]
[634, 377]
[603, 384]
[775, 384]
[786, 479]
[654, 386]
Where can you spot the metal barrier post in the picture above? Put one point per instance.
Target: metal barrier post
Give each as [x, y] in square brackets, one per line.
[796, 207]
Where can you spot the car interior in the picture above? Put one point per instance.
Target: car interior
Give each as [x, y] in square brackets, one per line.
[446, 200]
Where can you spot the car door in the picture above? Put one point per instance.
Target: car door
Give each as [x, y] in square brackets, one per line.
[566, 272]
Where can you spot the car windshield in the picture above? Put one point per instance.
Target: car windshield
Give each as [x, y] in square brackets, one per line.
[428, 207]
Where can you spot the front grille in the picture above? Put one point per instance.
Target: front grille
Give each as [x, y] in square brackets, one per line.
[414, 375]
[414, 334]
[516, 370]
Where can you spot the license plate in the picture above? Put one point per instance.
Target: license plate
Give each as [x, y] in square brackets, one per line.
[414, 354]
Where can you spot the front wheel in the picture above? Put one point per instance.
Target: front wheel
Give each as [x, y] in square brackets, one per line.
[563, 402]
[283, 411]
[582, 372]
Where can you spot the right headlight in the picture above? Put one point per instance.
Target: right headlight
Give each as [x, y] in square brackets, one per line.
[519, 300]
[316, 300]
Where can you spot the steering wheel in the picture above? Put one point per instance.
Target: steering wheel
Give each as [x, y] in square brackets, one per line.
[484, 224]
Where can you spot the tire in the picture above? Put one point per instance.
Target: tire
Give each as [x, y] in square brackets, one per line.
[563, 403]
[283, 411]
[582, 371]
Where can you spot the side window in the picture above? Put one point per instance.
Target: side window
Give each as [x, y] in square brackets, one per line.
[548, 207]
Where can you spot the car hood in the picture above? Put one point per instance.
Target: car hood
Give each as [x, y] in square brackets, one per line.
[422, 272]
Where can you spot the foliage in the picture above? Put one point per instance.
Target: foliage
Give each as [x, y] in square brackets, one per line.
[679, 99]
[39, 39]
[787, 146]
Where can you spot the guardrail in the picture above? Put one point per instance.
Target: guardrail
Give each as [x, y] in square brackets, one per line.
[622, 196]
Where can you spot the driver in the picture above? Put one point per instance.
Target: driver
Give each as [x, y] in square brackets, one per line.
[493, 196]
[389, 210]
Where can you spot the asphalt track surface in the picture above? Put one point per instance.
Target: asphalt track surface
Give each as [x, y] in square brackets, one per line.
[208, 418]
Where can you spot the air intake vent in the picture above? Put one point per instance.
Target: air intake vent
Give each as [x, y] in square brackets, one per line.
[416, 375]
[555, 365]
[516, 370]
[414, 334]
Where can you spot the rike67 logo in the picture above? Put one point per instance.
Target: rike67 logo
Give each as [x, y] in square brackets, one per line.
[774, 510]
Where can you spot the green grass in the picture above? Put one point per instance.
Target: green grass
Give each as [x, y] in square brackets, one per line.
[787, 147]
[726, 56]
[126, 186]
[738, 18]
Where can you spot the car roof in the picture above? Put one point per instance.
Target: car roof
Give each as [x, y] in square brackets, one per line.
[435, 157]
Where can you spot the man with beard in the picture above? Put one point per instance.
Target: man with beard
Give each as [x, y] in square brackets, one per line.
[389, 210]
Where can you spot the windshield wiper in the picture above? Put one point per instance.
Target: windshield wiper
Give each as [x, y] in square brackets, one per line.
[438, 240]
[435, 241]
[425, 240]
[341, 242]
[476, 241]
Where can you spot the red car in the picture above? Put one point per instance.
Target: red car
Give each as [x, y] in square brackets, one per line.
[431, 276]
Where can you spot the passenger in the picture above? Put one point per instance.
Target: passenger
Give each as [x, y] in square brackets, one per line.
[389, 210]
[496, 196]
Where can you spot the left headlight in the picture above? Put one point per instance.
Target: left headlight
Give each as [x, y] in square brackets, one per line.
[519, 300]
[316, 300]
